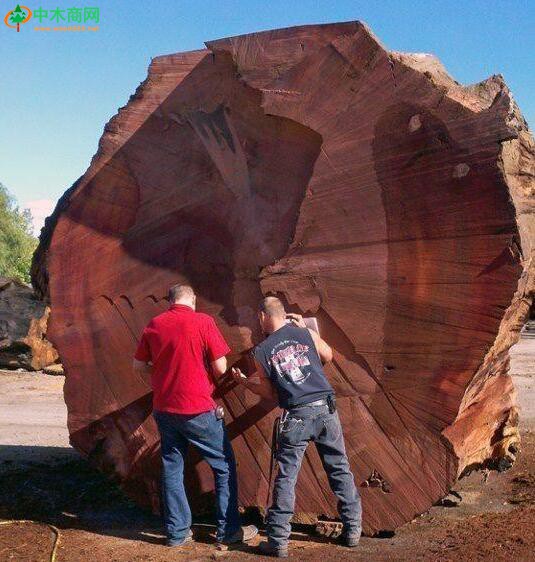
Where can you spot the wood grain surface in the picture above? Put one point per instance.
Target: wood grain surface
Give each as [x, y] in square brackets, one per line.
[365, 187]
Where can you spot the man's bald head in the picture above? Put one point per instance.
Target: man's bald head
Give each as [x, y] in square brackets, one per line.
[273, 307]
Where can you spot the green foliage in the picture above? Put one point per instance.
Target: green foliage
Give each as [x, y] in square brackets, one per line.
[17, 242]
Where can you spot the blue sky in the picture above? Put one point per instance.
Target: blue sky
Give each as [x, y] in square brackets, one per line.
[59, 89]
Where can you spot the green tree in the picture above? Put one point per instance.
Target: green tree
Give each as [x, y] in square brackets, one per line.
[17, 242]
[17, 16]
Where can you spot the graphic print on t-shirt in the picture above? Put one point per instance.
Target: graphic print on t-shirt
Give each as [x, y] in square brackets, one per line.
[289, 357]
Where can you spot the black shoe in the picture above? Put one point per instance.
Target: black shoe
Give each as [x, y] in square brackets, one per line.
[271, 550]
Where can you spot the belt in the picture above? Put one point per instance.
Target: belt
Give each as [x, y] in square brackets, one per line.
[321, 402]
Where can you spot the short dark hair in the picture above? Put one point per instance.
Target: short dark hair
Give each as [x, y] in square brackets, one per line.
[179, 291]
[272, 306]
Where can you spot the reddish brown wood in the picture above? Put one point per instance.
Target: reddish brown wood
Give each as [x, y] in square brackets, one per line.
[364, 186]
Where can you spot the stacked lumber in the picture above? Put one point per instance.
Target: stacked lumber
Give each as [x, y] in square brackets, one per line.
[366, 188]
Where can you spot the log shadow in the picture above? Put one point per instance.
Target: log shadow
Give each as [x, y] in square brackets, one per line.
[64, 490]
[67, 492]
[124, 446]
[216, 198]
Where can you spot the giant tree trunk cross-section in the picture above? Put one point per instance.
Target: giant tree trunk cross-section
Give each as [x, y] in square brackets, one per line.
[365, 187]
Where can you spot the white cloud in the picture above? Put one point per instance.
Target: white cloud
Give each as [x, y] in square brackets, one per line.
[40, 209]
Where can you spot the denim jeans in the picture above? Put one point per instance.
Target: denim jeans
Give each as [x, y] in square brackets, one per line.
[302, 425]
[209, 436]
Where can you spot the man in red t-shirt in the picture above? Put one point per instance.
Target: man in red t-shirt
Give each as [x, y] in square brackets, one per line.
[179, 349]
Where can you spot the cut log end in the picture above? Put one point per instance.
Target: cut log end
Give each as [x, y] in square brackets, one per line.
[365, 187]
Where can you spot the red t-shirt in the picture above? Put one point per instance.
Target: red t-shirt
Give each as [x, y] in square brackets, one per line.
[181, 344]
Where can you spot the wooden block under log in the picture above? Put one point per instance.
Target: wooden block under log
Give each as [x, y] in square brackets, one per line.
[368, 189]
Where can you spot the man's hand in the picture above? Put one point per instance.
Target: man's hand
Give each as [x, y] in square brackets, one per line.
[142, 367]
[238, 376]
[257, 382]
[296, 319]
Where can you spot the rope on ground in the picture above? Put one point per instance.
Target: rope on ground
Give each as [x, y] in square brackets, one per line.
[55, 530]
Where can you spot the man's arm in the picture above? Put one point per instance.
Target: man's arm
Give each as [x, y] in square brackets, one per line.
[216, 348]
[322, 347]
[258, 382]
[219, 366]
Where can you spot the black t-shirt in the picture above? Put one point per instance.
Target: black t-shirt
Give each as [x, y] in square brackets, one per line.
[290, 359]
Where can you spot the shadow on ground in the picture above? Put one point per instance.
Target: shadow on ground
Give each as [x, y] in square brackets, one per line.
[67, 491]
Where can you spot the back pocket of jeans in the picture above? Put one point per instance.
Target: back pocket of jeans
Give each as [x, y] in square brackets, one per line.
[290, 425]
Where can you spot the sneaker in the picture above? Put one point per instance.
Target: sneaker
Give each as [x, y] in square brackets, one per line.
[269, 549]
[243, 534]
[179, 542]
[352, 540]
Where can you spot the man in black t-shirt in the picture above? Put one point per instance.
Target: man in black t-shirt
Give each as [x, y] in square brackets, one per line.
[289, 370]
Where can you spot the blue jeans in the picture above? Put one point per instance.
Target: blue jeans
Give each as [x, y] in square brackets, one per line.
[302, 425]
[209, 436]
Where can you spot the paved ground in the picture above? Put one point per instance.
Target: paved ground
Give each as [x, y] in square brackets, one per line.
[523, 371]
[42, 479]
[33, 419]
